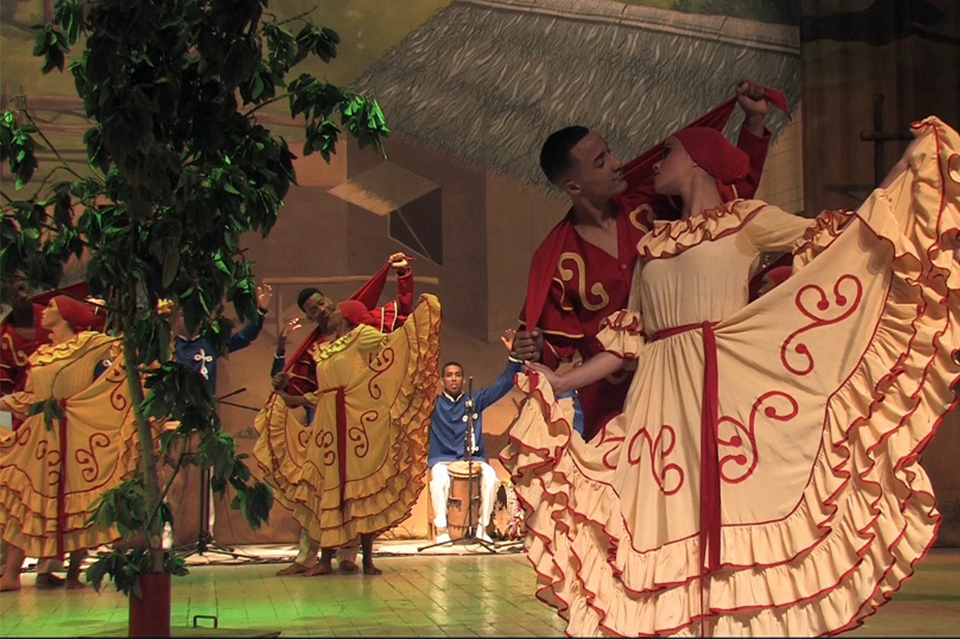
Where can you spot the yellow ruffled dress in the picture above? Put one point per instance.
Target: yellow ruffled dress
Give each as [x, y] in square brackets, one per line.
[359, 467]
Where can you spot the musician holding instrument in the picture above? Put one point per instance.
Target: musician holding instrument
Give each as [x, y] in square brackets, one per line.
[448, 430]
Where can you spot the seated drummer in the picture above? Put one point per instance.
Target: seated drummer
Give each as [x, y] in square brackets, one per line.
[448, 428]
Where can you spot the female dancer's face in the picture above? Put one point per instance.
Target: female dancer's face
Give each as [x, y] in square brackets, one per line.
[51, 316]
[674, 170]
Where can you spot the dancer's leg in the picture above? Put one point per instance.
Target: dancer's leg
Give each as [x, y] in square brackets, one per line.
[306, 557]
[366, 542]
[11, 569]
[73, 571]
[324, 566]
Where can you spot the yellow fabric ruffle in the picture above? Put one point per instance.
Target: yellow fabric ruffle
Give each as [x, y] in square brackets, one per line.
[49, 353]
[868, 513]
[300, 462]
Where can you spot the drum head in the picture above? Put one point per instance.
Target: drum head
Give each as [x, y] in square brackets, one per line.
[462, 468]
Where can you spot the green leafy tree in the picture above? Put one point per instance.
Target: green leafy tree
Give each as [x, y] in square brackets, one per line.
[180, 169]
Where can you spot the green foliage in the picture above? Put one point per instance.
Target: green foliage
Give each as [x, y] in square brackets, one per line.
[17, 148]
[124, 568]
[181, 170]
[50, 409]
[125, 506]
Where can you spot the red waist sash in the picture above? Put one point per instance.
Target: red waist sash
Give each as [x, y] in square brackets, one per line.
[709, 452]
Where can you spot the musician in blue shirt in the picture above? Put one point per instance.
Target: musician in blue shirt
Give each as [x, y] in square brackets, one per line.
[448, 428]
[197, 352]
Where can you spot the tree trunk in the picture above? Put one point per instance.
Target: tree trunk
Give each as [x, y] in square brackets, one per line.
[148, 461]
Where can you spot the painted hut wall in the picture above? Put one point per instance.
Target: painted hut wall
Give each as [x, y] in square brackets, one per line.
[782, 180]
[518, 218]
[463, 286]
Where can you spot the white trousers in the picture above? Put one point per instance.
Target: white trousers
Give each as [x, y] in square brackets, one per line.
[166, 535]
[440, 492]
[309, 549]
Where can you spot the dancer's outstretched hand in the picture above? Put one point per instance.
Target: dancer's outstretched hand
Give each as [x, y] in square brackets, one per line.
[750, 98]
[264, 297]
[507, 339]
[754, 105]
[291, 326]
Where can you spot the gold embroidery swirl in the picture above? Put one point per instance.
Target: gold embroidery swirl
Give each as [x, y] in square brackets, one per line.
[326, 350]
[597, 289]
[642, 213]
[564, 305]
[19, 357]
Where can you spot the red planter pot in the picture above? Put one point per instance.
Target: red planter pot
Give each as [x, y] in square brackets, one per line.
[150, 613]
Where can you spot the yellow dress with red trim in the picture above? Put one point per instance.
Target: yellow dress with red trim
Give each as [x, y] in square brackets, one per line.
[359, 467]
[51, 478]
[764, 477]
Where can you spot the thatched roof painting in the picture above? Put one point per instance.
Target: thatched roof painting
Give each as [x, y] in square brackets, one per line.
[488, 80]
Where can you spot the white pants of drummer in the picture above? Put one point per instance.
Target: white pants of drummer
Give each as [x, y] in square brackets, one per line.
[440, 492]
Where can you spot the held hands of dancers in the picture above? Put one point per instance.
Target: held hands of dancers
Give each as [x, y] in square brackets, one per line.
[279, 381]
[527, 345]
[400, 262]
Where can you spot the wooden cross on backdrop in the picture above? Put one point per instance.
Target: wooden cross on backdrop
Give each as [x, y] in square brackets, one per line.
[878, 136]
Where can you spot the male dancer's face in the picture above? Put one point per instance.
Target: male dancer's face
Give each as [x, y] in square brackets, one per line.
[453, 379]
[596, 174]
[21, 306]
[318, 308]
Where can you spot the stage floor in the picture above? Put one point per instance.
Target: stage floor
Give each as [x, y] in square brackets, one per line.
[418, 595]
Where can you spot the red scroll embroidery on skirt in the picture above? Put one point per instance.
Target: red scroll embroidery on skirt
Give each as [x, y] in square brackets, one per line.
[820, 316]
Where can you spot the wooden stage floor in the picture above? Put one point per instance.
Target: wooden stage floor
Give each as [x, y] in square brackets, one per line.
[418, 595]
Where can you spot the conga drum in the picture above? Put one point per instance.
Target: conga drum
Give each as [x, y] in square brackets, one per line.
[464, 487]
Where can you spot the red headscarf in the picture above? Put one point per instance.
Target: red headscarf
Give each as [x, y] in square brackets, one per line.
[79, 315]
[353, 311]
[713, 153]
[638, 171]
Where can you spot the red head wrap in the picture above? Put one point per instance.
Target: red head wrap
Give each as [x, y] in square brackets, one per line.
[353, 311]
[713, 153]
[79, 315]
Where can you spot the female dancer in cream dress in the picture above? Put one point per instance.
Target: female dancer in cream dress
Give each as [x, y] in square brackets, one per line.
[764, 477]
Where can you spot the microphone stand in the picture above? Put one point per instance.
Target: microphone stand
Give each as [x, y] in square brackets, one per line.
[469, 536]
[205, 543]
